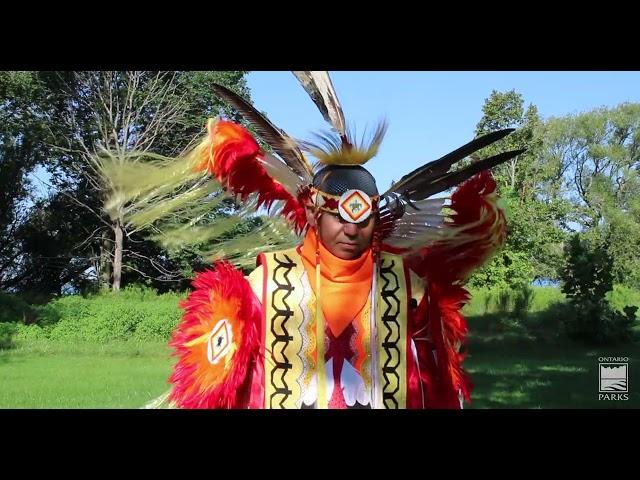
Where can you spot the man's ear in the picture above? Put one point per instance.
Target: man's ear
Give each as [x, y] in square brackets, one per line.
[311, 217]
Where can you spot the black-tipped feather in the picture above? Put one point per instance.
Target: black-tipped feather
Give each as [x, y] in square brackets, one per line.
[436, 184]
[441, 166]
[281, 143]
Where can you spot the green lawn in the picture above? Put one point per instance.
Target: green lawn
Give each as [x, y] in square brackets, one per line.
[509, 368]
[544, 376]
[506, 374]
[83, 376]
[530, 365]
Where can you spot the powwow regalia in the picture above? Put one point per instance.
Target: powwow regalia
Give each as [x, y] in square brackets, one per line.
[307, 329]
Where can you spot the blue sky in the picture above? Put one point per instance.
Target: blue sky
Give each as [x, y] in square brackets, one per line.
[431, 113]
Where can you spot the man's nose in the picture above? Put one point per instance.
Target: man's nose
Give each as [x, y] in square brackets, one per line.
[350, 229]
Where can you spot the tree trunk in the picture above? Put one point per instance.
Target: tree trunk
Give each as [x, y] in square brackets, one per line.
[105, 265]
[117, 257]
[512, 172]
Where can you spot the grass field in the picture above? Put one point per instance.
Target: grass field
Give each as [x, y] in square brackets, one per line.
[48, 375]
[532, 366]
[545, 376]
[524, 365]
[506, 374]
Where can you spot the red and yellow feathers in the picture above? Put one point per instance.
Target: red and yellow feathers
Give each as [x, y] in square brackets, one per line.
[233, 157]
[217, 341]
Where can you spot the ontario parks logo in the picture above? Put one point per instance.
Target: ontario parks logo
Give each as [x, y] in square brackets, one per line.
[613, 378]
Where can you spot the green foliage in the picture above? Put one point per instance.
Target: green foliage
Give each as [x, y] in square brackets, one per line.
[507, 269]
[15, 309]
[30, 333]
[622, 234]
[22, 147]
[587, 273]
[507, 110]
[7, 330]
[484, 300]
[47, 119]
[488, 298]
[580, 172]
[523, 301]
[512, 306]
[621, 296]
[503, 302]
[596, 322]
[534, 238]
[587, 279]
[137, 312]
[597, 157]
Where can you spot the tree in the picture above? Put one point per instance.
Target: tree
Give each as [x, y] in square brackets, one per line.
[587, 277]
[598, 159]
[123, 112]
[534, 240]
[23, 134]
[506, 110]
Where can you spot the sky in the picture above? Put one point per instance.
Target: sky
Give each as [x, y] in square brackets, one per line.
[431, 113]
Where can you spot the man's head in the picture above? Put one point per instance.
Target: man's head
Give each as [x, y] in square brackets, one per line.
[345, 199]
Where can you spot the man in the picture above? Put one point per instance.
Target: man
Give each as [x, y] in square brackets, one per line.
[338, 249]
[365, 311]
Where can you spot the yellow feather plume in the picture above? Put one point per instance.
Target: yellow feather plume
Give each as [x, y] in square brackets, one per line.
[335, 149]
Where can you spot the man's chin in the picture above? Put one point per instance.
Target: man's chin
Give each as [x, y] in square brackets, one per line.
[347, 252]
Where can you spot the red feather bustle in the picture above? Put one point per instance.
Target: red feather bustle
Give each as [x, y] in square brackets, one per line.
[220, 295]
[232, 156]
[437, 325]
[481, 230]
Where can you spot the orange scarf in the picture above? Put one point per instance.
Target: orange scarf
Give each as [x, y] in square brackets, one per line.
[344, 284]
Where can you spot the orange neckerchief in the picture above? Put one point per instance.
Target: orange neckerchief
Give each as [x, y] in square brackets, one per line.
[344, 284]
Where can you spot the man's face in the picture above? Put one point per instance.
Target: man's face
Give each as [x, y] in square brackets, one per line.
[345, 240]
